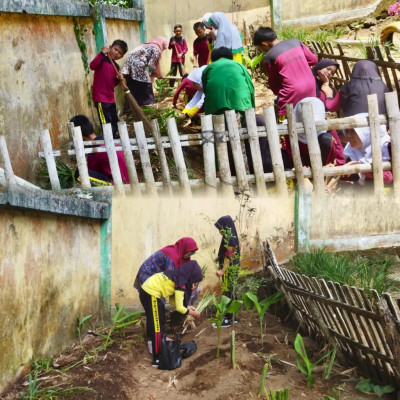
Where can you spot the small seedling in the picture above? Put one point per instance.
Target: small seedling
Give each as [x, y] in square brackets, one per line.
[261, 390]
[305, 365]
[366, 386]
[224, 306]
[282, 394]
[261, 307]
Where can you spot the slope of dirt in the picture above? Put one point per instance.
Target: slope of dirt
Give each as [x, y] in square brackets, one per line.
[124, 371]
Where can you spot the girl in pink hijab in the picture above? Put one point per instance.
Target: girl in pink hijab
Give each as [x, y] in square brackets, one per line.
[140, 68]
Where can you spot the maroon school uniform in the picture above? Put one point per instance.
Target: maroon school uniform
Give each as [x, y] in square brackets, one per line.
[200, 48]
[189, 88]
[181, 47]
[289, 74]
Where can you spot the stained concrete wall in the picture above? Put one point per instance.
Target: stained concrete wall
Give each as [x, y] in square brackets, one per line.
[49, 276]
[42, 79]
[143, 226]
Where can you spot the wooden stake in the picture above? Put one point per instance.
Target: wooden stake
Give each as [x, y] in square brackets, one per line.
[275, 149]
[10, 180]
[145, 158]
[80, 155]
[373, 112]
[50, 161]
[255, 151]
[234, 139]
[392, 107]
[130, 162]
[178, 157]
[113, 159]
[209, 154]
[222, 153]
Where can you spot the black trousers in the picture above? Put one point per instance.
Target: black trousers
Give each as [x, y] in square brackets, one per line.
[174, 68]
[141, 91]
[108, 115]
[155, 319]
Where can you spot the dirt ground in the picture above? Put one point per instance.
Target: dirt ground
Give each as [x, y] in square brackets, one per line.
[124, 371]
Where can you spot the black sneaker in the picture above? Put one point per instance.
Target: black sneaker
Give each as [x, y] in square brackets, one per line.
[155, 363]
[225, 323]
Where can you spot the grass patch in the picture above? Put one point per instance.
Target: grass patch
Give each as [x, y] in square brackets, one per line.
[353, 269]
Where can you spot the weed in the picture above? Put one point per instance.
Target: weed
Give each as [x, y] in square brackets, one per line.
[282, 394]
[366, 386]
[304, 364]
[249, 284]
[224, 306]
[119, 3]
[261, 307]
[43, 365]
[66, 174]
[336, 394]
[161, 114]
[289, 32]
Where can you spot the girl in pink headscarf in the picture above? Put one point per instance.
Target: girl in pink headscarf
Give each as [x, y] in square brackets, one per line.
[140, 68]
[166, 259]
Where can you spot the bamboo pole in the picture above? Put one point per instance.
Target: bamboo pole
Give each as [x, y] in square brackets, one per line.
[222, 153]
[294, 144]
[178, 157]
[76, 133]
[130, 162]
[313, 148]
[275, 149]
[377, 170]
[166, 178]
[145, 158]
[50, 161]
[20, 182]
[255, 151]
[113, 159]
[392, 107]
[209, 155]
[9, 176]
[234, 139]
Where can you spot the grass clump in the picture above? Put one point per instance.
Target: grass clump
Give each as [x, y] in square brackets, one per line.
[363, 271]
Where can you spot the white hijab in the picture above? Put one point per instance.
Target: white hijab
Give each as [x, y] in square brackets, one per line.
[363, 154]
[196, 74]
[318, 111]
[205, 20]
[228, 34]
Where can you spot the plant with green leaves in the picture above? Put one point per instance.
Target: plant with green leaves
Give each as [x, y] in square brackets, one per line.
[250, 300]
[366, 386]
[304, 364]
[35, 391]
[224, 306]
[335, 394]
[282, 394]
[252, 63]
[66, 174]
[42, 365]
[264, 373]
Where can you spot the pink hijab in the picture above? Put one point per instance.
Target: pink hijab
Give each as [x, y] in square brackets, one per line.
[179, 249]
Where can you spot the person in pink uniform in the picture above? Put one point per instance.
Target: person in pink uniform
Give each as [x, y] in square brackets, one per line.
[287, 64]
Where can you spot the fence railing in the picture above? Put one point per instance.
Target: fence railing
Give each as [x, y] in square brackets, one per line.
[387, 65]
[364, 329]
[216, 132]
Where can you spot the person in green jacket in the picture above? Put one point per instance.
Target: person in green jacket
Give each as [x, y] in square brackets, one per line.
[226, 84]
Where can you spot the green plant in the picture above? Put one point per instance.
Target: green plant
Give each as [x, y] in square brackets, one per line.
[282, 394]
[304, 364]
[250, 299]
[336, 394]
[261, 389]
[249, 283]
[42, 365]
[366, 386]
[289, 32]
[252, 62]
[66, 174]
[224, 306]
[161, 114]
[34, 391]
[118, 3]
[329, 365]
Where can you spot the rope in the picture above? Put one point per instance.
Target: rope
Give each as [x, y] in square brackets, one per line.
[207, 139]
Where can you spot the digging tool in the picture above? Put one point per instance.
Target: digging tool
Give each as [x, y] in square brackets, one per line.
[136, 110]
[182, 66]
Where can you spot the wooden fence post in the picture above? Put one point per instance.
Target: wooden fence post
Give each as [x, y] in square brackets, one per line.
[222, 154]
[377, 170]
[145, 158]
[275, 149]
[166, 178]
[209, 154]
[234, 138]
[9, 176]
[392, 107]
[113, 159]
[313, 148]
[50, 161]
[255, 151]
[294, 144]
[76, 134]
[178, 157]
[130, 162]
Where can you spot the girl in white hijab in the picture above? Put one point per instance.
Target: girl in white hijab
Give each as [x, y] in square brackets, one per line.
[359, 149]
[228, 34]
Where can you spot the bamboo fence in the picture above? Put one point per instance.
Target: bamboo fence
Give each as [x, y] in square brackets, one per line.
[217, 131]
[364, 327]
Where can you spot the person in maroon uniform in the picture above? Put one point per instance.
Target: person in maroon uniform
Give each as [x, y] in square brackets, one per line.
[105, 80]
[287, 64]
[201, 50]
[179, 48]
